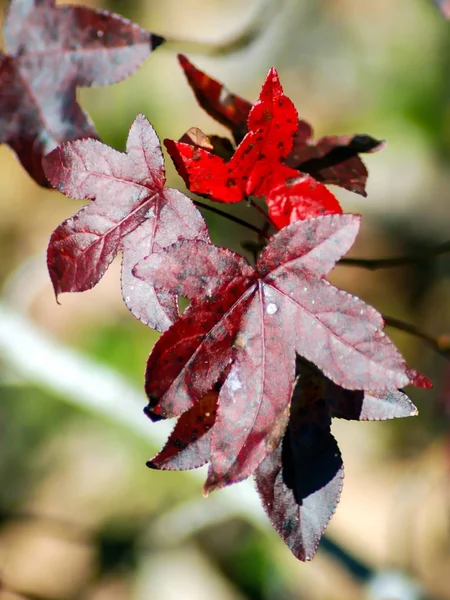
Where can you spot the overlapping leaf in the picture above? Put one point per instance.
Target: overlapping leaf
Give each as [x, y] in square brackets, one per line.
[131, 212]
[300, 198]
[246, 325]
[333, 159]
[255, 168]
[228, 109]
[330, 160]
[50, 50]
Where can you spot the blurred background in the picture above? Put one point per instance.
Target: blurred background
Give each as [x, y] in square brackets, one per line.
[81, 517]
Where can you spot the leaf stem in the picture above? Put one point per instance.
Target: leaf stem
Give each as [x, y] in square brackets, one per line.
[258, 209]
[396, 261]
[441, 348]
[233, 218]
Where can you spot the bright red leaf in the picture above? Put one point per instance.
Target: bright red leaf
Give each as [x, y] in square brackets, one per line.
[50, 50]
[330, 160]
[245, 325]
[132, 212]
[301, 198]
[255, 168]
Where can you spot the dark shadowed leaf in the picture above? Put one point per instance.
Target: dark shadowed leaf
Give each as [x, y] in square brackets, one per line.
[249, 324]
[364, 406]
[132, 212]
[49, 51]
[334, 159]
[301, 481]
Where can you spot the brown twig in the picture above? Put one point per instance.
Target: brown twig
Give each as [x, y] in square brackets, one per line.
[260, 211]
[442, 347]
[396, 261]
[237, 220]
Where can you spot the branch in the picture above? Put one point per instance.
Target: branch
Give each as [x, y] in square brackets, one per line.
[237, 220]
[397, 261]
[265, 12]
[441, 344]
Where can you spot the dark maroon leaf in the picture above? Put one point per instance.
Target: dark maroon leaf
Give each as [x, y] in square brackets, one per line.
[132, 213]
[50, 50]
[334, 159]
[188, 447]
[228, 109]
[249, 323]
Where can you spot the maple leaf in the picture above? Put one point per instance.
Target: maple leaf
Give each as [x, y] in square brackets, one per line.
[228, 109]
[300, 198]
[50, 50]
[255, 167]
[244, 327]
[189, 443]
[301, 481]
[131, 212]
[333, 159]
[330, 160]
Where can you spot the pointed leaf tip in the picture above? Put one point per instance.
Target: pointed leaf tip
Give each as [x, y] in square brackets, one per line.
[156, 41]
[419, 380]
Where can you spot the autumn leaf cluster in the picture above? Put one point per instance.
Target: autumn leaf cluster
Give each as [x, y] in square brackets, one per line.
[265, 355]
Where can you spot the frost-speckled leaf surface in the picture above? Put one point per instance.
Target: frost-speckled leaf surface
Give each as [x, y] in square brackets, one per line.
[131, 211]
[246, 325]
[49, 51]
[188, 446]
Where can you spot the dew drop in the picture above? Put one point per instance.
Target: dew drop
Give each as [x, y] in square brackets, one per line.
[313, 301]
[271, 308]
[305, 289]
[100, 33]
[127, 298]
[207, 414]
[150, 213]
